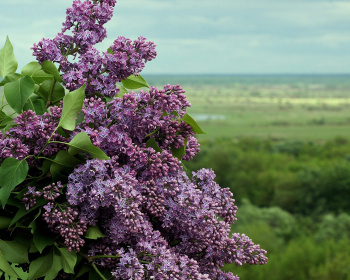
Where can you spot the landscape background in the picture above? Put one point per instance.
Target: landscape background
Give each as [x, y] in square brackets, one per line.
[281, 143]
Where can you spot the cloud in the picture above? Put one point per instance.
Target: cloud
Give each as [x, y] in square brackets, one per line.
[208, 36]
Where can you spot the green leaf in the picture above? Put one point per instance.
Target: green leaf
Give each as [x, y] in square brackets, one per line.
[7, 125]
[134, 82]
[14, 252]
[60, 163]
[33, 70]
[41, 266]
[56, 265]
[84, 269]
[179, 152]
[4, 119]
[109, 50]
[20, 272]
[50, 68]
[195, 127]
[65, 159]
[122, 90]
[22, 211]
[5, 266]
[45, 167]
[42, 240]
[4, 222]
[82, 143]
[68, 260]
[93, 232]
[57, 93]
[72, 105]
[32, 225]
[58, 171]
[8, 62]
[12, 173]
[10, 78]
[33, 249]
[153, 144]
[18, 92]
[3, 116]
[35, 104]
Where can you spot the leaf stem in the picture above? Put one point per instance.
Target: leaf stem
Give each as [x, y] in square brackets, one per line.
[98, 272]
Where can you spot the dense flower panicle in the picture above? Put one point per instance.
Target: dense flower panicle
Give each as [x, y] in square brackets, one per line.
[102, 72]
[85, 20]
[80, 62]
[128, 57]
[160, 202]
[35, 130]
[121, 126]
[47, 49]
[29, 198]
[192, 148]
[67, 222]
[50, 193]
[156, 222]
[12, 147]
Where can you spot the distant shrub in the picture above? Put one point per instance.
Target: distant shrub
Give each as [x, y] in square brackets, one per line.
[333, 227]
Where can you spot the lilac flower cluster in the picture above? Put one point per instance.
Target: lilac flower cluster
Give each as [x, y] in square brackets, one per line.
[60, 218]
[153, 220]
[30, 134]
[12, 147]
[121, 126]
[50, 193]
[80, 62]
[156, 222]
[66, 221]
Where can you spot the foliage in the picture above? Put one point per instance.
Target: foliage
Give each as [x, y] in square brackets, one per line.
[92, 181]
[303, 259]
[299, 247]
[300, 177]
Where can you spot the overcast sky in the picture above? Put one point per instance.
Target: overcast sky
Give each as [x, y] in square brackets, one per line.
[212, 37]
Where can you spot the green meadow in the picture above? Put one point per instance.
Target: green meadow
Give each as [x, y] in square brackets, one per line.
[271, 106]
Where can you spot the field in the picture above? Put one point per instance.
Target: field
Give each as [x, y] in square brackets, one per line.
[276, 107]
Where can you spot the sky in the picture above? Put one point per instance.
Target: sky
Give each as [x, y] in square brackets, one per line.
[206, 37]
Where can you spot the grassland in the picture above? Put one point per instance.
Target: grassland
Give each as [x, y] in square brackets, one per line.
[277, 107]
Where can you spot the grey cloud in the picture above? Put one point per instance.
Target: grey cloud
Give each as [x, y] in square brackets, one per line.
[226, 36]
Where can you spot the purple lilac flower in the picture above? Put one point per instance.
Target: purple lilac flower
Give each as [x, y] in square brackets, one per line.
[80, 62]
[12, 147]
[35, 130]
[157, 222]
[126, 205]
[67, 222]
[123, 130]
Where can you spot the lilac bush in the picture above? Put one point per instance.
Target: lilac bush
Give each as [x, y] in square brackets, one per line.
[92, 175]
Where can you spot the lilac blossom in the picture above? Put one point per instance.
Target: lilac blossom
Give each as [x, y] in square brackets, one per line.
[35, 130]
[80, 63]
[156, 221]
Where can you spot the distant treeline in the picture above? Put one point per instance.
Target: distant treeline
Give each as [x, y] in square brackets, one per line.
[300, 177]
[293, 199]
